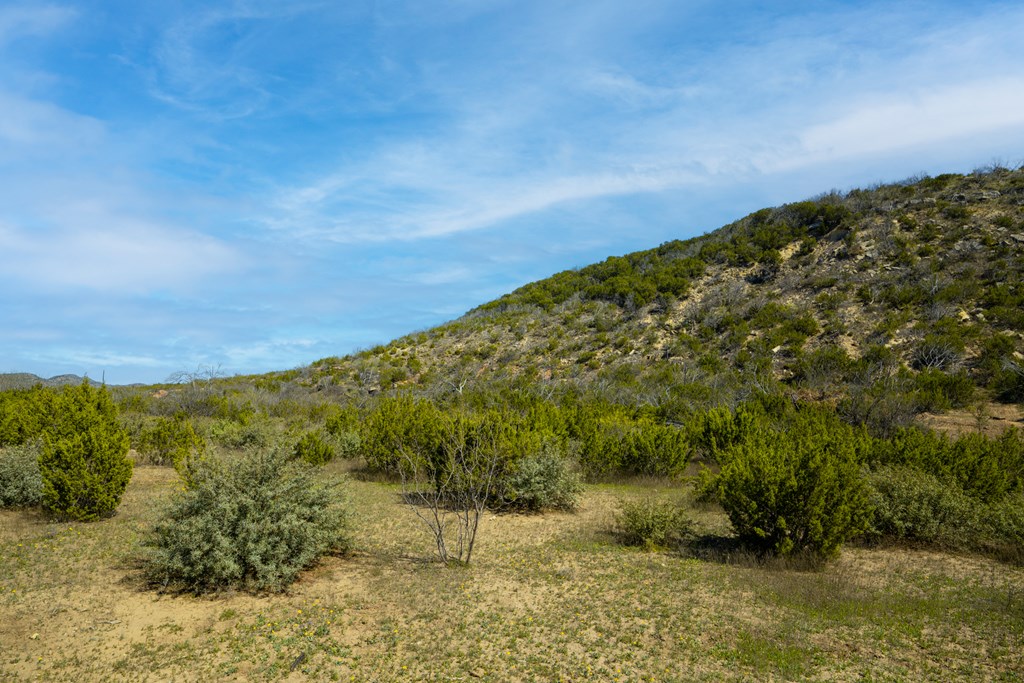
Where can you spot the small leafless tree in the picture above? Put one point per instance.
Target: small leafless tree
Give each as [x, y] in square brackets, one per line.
[196, 388]
[450, 486]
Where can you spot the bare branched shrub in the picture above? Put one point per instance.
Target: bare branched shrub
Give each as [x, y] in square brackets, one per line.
[936, 353]
[193, 398]
[450, 485]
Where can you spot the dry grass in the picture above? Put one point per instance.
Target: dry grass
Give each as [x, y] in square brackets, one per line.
[548, 598]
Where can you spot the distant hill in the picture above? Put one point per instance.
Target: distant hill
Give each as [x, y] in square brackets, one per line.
[25, 380]
[893, 300]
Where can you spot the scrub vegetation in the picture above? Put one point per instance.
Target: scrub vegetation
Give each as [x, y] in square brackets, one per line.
[788, 449]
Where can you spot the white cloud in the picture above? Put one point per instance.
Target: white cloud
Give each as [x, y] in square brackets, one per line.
[206, 62]
[897, 120]
[790, 95]
[42, 128]
[262, 353]
[100, 251]
[32, 20]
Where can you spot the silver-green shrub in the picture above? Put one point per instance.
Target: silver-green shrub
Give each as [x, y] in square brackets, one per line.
[21, 484]
[249, 521]
[540, 481]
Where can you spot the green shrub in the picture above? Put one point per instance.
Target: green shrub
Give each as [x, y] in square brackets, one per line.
[720, 429]
[652, 524]
[252, 521]
[914, 506]
[986, 469]
[346, 444]
[21, 484]
[655, 449]
[397, 424]
[936, 390]
[824, 368]
[314, 449]
[940, 352]
[170, 441]
[341, 419]
[540, 481]
[84, 476]
[1008, 382]
[84, 463]
[250, 433]
[798, 490]
[1004, 528]
[21, 415]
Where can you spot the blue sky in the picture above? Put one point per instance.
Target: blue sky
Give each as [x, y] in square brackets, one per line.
[257, 185]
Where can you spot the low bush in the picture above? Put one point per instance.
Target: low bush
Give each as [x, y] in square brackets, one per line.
[658, 450]
[652, 524]
[84, 462]
[21, 484]
[346, 444]
[914, 506]
[1004, 528]
[541, 481]
[250, 433]
[796, 490]
[986, 469]
[84, 476]
[936, 390]
[397, 425]
[314, 449]
[1008, 382]
[20, 415]
[170, 441]
[624, 444]
[720, 429]
[251, 521]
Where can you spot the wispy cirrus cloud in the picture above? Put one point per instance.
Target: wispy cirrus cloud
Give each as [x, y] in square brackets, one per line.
[22, 20]
[893, 121]
[95, 250]
[253, 183]
[211, 61]
[792, 94]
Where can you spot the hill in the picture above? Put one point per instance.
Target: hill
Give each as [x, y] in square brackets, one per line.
[584, 398]
[26, 380]
[892, 300]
